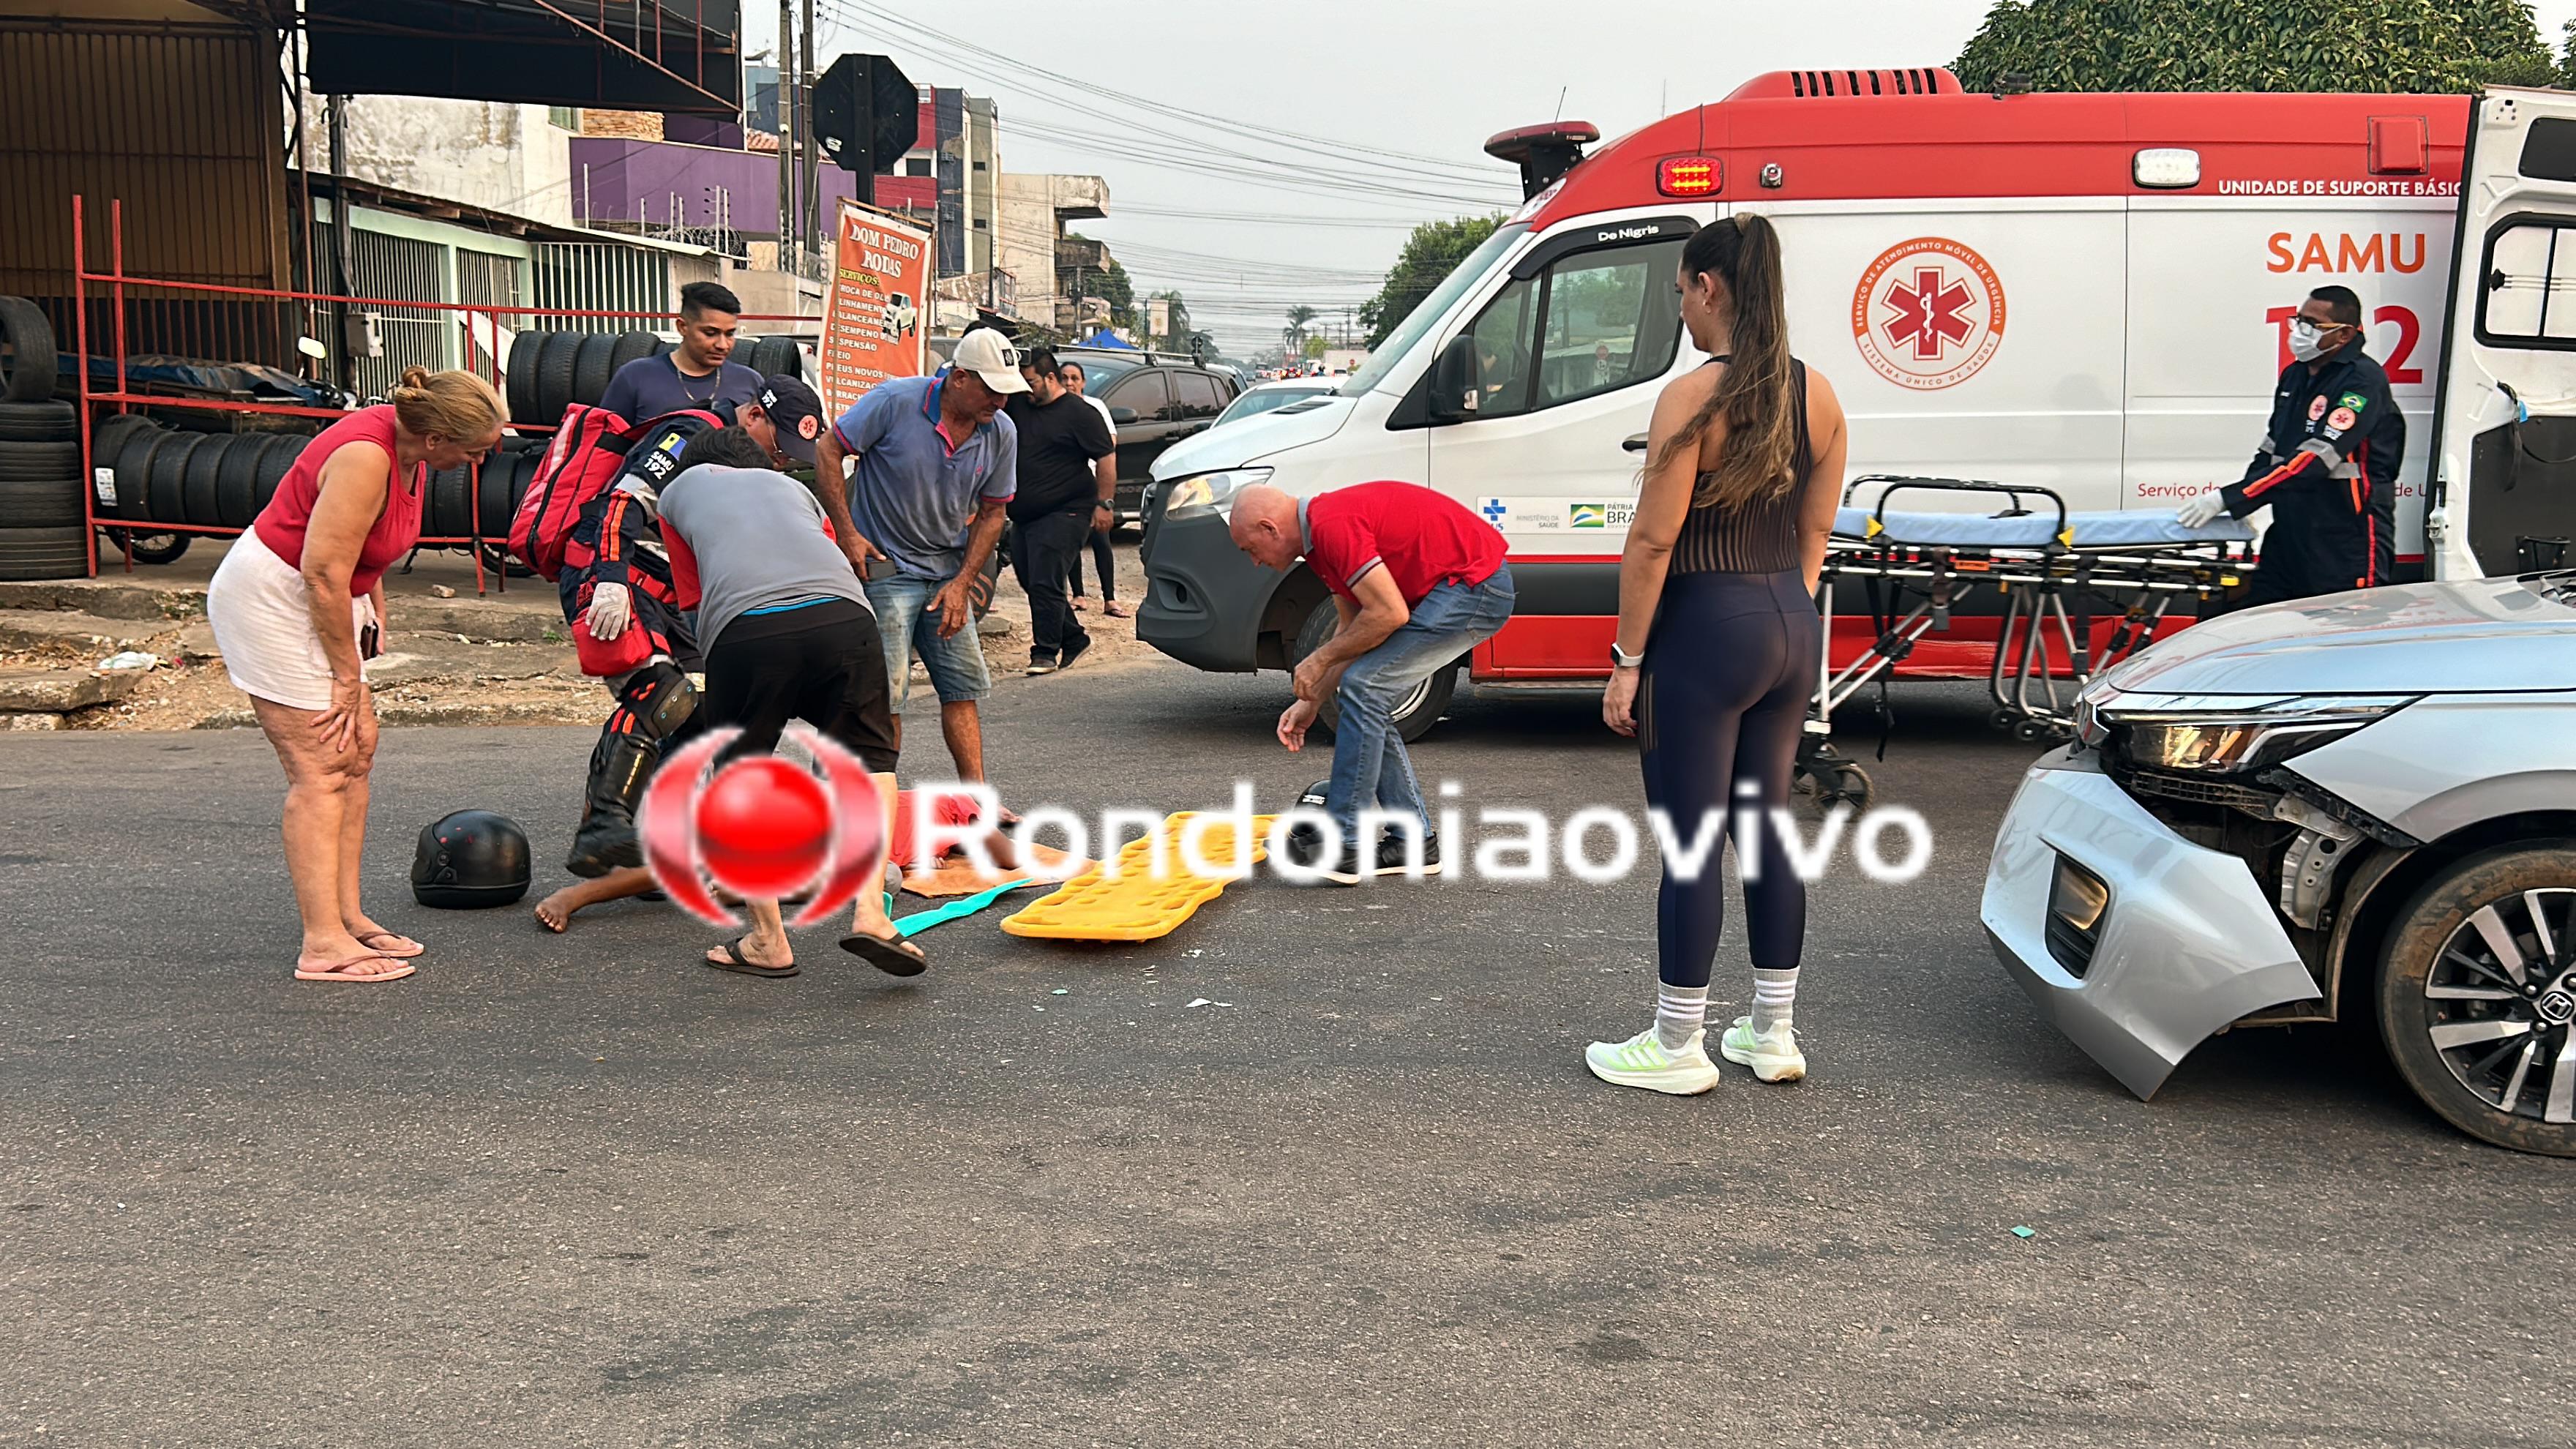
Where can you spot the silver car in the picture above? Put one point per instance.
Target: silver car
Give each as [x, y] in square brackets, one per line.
[2359, 803]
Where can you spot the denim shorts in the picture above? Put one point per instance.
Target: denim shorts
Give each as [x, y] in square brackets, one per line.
[908, 628]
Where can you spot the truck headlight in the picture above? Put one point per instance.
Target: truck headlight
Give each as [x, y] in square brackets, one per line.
[1211, 492]
[2236, 736]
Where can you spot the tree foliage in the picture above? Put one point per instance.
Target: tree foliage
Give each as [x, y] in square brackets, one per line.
[1434, 249]
[2402, 46]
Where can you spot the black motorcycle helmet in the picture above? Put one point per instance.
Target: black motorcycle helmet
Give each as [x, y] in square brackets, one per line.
[469, 860]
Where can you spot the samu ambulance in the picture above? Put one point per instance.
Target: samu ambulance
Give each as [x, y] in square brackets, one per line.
[2090, 293]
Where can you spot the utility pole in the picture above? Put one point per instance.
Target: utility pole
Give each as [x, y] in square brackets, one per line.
[814, 150]
[785, 54]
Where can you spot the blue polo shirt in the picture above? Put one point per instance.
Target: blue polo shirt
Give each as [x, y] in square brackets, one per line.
[915, 490]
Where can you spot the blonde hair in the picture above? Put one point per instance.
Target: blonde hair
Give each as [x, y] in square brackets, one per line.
[457, 406]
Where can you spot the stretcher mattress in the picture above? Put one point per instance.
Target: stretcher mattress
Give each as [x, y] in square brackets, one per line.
[2108, 528]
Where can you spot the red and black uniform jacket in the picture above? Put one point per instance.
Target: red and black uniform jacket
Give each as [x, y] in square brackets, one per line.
[618, 540]
[2328, 469]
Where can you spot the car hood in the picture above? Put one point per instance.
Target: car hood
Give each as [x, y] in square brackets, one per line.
[1252, 439]
[2449, 638]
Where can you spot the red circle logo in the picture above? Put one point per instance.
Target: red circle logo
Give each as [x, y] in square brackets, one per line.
[764, 827]
[2316, 408]
[1928, 314]
[2341, 419]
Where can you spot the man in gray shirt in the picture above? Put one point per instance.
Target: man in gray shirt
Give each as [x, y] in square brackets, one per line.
[788, 634]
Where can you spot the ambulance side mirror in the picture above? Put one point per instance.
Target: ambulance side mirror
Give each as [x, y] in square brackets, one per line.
[1453, 381]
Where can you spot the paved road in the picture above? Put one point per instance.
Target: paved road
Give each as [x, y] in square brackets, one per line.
[581, 1191]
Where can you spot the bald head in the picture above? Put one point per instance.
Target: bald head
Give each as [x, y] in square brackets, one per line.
[1264, 526]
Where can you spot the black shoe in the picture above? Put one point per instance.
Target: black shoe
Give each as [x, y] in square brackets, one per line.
[1390, 854]
[1305, 848]
[1043, 664]
[1079, 647]
[606, 840]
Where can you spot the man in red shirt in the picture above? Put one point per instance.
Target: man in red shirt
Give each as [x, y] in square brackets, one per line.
[1419, 581]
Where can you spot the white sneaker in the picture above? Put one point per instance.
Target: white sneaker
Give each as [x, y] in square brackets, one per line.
[1642, 1061]
[1773, 1055]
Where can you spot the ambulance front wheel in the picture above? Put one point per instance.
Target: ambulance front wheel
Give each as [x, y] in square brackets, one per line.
[1415, 714]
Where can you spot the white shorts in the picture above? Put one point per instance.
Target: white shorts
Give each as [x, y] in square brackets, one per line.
[263, 623]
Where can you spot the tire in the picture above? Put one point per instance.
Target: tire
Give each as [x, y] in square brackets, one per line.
[197, 486]
[594, 363]
[771, 356]
[237, 480]
[275, 462]
[555, 367]
[448, 511]
[165, 493]
[2459, 1051]
[499, 495]
[35, 503]
[497, 559]
[38, 462]
[132, 466]
[38, 422]
[44, 553]
[527, 354]
[631, 347]
[148, 548]
[30, 370]
[1415, 714]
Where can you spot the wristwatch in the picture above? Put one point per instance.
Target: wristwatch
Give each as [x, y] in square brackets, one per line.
[1622, 658]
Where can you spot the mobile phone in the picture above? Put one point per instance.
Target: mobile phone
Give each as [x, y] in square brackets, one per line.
[370, 642]
[879, 567]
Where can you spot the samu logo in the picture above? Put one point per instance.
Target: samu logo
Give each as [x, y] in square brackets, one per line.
[763, 827]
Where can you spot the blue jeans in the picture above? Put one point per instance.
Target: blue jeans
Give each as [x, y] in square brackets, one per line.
[1369, 762]
[907, 627]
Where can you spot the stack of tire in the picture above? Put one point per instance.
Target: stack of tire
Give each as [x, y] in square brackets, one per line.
[550, 371]
[42, 515]
[451, 508]
[164, 475]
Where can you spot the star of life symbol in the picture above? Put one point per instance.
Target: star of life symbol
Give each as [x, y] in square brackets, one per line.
[1495, 510]
[1928, 313]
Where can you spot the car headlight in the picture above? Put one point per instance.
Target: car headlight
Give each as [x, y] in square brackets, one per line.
[1211, 492]
[2233, 736]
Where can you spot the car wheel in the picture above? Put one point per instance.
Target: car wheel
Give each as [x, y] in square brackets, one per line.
[148, 548]
[1415, 714]
[2477, 986]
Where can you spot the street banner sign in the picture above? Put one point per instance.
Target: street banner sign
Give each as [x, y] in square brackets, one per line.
[873, 310]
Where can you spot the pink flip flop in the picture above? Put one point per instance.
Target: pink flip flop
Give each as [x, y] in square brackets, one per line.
[339, 971]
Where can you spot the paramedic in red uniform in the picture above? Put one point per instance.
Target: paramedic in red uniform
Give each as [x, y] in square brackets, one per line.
[2328, 465]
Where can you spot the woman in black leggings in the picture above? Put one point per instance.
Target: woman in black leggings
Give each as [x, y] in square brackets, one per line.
[1717, 596]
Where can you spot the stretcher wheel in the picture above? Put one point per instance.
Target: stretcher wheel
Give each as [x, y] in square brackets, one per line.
[1838, 783]
[2003, 719]
[2038, 732]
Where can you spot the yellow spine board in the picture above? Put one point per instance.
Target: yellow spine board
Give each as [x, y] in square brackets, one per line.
[1135, 905]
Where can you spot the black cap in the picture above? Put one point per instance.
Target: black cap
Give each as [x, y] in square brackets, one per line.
[795, 412]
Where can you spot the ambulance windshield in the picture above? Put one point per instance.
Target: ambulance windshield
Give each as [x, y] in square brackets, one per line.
[1419, 321]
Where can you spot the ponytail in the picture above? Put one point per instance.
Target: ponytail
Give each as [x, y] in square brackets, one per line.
[457, 406]
[1754, 395]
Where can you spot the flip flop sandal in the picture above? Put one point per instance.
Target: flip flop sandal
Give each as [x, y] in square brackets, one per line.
[747, 966]
[892, 955]
[339, 971]
[370, 939]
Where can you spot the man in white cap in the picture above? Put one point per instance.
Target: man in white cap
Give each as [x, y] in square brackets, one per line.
[921, 514]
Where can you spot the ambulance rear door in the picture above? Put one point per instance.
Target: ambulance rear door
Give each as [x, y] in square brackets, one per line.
[2507, 452]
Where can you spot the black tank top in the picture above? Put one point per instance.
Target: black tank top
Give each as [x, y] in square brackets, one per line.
[1761, 537]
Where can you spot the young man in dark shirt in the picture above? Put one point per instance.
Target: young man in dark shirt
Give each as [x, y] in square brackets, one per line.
[701, 374]
[1068, 485]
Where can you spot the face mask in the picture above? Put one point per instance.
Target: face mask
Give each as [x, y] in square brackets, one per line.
[2307, 344]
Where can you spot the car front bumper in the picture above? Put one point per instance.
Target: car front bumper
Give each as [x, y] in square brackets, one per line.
[1203, 599]
[2188, 943]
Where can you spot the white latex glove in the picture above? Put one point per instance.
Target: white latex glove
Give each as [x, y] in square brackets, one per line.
[611, 610]
[2198, 511]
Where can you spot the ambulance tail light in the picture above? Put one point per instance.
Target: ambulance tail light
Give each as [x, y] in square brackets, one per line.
[2166, 168]
[1690, 175]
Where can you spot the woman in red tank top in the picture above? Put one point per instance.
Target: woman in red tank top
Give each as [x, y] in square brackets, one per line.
[291, 605]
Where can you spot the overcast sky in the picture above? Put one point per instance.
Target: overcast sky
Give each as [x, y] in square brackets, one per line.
[1357, 118]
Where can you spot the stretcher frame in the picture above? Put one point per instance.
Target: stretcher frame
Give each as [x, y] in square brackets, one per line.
[2043, 652]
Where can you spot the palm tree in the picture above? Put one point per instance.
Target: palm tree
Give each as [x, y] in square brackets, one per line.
[1295, 332]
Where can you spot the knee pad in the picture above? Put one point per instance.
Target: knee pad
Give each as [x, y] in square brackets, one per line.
[659, 699]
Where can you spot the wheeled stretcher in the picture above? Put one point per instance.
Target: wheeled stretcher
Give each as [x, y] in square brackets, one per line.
[2052, 573]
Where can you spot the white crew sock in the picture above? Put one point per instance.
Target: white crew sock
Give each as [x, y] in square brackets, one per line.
[1679, 1011]
[1774, 993]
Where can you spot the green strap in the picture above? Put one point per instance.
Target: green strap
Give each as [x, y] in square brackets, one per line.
[963, 906]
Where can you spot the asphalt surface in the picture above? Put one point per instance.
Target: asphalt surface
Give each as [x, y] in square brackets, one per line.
[581, 1190]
